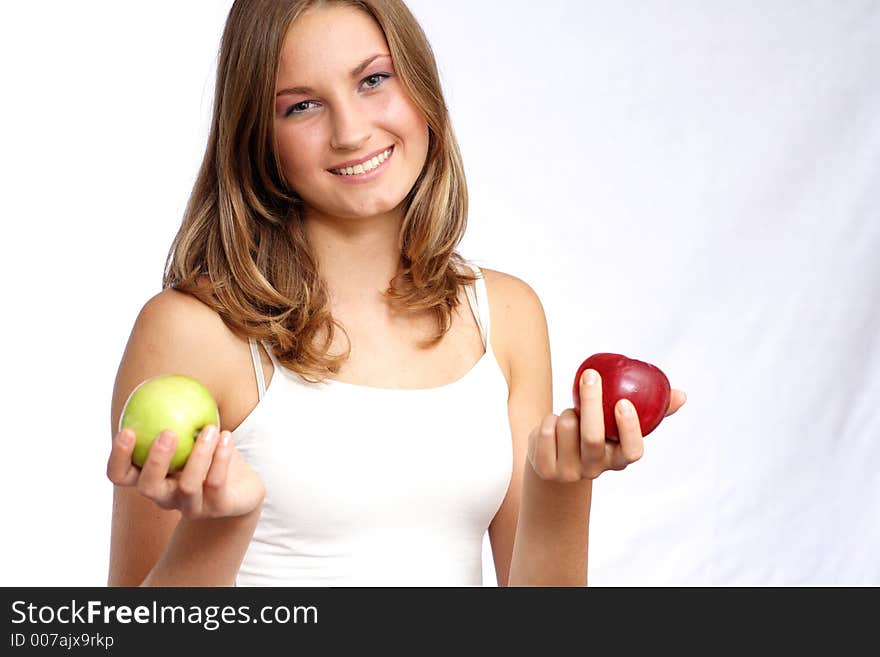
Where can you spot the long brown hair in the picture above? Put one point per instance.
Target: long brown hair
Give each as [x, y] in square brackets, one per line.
[242, 249]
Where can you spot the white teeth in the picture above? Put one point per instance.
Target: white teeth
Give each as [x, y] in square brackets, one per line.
[366, 167]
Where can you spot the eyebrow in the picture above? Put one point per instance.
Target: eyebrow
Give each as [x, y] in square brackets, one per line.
[354, 73]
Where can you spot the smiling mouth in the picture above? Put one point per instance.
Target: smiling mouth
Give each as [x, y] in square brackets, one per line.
[366, 166]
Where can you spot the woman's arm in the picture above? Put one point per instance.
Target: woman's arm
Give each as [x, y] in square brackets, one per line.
[174, 333]
[204, 552]
[539, 535]
[542, 530]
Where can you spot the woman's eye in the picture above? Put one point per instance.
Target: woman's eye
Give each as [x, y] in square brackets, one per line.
[381, 78]
[298, 108]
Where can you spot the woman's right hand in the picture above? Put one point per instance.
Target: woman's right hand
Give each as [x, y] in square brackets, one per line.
[216, 481]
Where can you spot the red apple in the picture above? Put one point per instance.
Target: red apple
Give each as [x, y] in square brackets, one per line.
[626, 378]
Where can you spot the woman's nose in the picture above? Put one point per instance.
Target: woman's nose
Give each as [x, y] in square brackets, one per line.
[350, 129]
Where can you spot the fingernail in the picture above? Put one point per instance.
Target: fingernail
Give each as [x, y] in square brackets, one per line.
[626, 407]
[225, 440]
[589, 377]
[125, 438]
[166, 439]
[210, 434]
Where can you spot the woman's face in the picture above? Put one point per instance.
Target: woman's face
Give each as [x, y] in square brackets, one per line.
[337, 102]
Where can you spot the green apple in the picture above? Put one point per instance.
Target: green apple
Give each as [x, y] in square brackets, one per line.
[171, 401]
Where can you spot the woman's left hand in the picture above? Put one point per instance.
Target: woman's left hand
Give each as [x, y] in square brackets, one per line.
[567, 449]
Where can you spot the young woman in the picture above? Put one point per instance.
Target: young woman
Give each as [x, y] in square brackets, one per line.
[382, 402]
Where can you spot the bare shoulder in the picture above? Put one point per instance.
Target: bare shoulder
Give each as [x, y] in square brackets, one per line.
[513, 298]
[175, 333]
[508, 287]
[519, 325]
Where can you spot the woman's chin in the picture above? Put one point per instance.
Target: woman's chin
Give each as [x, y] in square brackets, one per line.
[357, 213]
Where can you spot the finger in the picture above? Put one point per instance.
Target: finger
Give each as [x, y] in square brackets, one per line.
[677, 398]
[217, 475]
[568, 447]
[544, 460]
[631, 442]
[154, 481]
[120, 470]
[592, 425]
[192, 478]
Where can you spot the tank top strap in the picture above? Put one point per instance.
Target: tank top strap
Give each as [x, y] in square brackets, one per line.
[480, 304]
[258, 367]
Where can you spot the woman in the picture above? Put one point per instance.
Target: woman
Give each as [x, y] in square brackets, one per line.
[332, 195]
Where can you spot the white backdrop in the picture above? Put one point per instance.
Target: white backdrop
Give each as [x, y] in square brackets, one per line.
[693, 184]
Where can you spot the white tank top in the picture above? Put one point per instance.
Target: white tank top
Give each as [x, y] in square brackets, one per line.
[370, 486]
